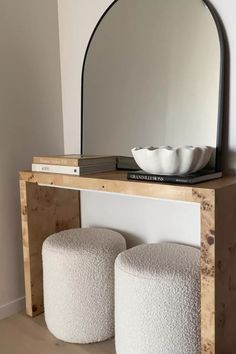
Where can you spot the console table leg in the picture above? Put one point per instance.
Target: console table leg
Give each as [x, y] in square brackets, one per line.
[225, 270]
[218, 269]
[44, 211]
[207, 203]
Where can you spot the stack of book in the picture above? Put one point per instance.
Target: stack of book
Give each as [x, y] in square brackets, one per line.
[74, 164]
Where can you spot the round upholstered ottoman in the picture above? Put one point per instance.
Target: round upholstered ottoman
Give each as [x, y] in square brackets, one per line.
[78, 280]
[157, 300]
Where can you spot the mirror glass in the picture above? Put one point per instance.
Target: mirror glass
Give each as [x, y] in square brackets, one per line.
[152, 77]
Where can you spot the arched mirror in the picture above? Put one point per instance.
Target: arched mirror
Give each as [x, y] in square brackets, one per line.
[152, 75]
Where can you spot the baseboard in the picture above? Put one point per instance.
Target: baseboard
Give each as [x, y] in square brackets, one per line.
[12, 308]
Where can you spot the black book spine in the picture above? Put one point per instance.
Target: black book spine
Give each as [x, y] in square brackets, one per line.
[157, 178]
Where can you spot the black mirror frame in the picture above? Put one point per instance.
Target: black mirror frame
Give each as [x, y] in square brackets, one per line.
[221, 99]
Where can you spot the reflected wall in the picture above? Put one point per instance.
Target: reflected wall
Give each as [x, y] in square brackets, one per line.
[152, 77]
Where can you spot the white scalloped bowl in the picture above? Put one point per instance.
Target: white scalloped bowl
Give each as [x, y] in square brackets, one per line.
[167, 160]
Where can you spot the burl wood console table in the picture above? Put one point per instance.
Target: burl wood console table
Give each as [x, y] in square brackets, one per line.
[51, 202]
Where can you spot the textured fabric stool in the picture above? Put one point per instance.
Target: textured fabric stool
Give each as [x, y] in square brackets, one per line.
[157, 300]
[78, 279]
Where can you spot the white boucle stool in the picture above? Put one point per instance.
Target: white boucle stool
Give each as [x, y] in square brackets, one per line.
[157, 300]
[78, 280]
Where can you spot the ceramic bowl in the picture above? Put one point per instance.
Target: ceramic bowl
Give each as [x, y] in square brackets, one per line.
[167, 160]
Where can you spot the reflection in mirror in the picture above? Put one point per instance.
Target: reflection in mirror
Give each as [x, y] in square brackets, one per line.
[152, 76]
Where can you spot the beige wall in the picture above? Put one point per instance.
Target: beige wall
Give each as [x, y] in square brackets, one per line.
[30, 120]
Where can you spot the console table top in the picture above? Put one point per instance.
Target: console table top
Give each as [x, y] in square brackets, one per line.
[116, 182]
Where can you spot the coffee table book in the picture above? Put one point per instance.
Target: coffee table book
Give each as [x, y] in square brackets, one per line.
[201, 176]
[74, 160]
[74, 170]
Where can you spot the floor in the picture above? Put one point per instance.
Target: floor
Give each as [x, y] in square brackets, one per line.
[20, 334]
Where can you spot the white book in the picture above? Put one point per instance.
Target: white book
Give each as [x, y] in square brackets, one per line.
[71, 170]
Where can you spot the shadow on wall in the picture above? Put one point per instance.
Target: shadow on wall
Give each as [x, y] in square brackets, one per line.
[231, 161]
[30, 115]
[132, 240]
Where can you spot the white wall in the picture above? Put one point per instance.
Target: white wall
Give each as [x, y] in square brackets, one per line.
[30, 120]
[141, 219]
[77, 19]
